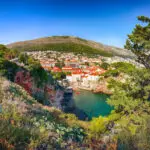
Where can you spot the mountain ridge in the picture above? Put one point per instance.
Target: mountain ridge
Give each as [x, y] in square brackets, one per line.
[56, 41]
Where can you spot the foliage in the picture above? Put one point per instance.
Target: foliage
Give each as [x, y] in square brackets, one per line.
[123, 67]
[38, 73]
[10, 69]
[59, 75]
[98, 126]
[23, 58]
[130, 100]
[140, 140]
[105, 65]
[117, 68]
[2, 66]
[7, 68]
[60, 64]
[122, 102]
[132, 93]
[111, 73]
[27, 125]
[66, 47]
[3, 50]
[139, 41]
[8, 53]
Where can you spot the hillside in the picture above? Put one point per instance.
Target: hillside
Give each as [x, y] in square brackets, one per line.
[70, 44]
[27, 124]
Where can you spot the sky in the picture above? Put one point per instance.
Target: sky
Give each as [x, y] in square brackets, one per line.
[105, 21]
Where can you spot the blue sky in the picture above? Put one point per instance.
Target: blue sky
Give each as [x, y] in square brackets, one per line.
[105, 21]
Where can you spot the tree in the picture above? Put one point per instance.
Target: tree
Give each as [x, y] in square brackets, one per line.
[139, 41]
[139, 141]
[105, 65]
[3, 50]
[59, 64]
[38, 73]
[23, 58]
[133, 92]
[131, 98]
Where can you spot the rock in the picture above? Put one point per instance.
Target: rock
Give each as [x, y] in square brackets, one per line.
[106, 139]
[102, 89]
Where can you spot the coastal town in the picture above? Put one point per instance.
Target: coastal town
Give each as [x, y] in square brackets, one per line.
[81, 71]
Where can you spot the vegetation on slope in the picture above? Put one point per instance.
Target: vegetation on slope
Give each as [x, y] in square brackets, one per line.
[65, 47]
[128, 123]
[118, 69]
[38, 76]
[131, 100]
[26, 124]
[70, 44]
[38, 73]
[7, 68]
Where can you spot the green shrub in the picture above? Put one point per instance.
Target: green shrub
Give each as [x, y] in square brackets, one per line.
[98, 126]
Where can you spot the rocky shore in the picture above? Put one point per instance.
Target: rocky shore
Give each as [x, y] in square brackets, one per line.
[102, 89]
[99, 88]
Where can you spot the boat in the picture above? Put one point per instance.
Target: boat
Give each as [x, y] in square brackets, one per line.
[78, 92]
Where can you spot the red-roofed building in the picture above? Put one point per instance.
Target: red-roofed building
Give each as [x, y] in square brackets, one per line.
[56, 69]
[76, 75]
[72, 63]
[77, 71]
[70, 69]
[94, 76]
[69, 78]
[67, 69]
[100, 71]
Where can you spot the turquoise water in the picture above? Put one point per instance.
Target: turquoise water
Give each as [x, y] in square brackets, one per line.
[93, 105]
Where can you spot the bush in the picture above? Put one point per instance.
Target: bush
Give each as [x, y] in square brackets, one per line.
[105, 65]
[124, 67]
[98, 126]
[111, 73]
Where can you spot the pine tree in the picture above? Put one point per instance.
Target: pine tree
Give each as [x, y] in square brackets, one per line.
[139, 41]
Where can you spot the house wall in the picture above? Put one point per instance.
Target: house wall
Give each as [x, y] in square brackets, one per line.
[69, 78]
[76, 77]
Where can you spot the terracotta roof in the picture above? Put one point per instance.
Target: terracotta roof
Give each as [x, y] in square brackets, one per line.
[94, 74]
[84, 76]
[67, 68]
[56, 69]
[77, 72]
[69, 75]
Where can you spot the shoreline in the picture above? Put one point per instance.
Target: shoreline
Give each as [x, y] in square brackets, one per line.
[75, 88]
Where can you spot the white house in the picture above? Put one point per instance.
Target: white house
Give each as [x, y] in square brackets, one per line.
[93, 77]
[69, 78]
[76, 76]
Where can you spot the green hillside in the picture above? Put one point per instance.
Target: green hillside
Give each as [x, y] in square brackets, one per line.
[69, 44]
[27, 124]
